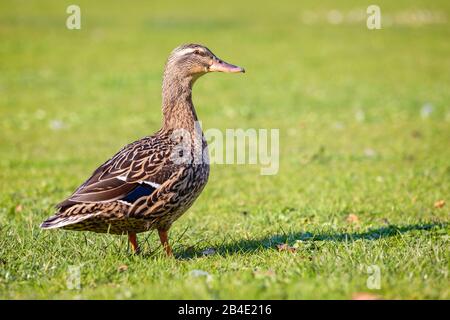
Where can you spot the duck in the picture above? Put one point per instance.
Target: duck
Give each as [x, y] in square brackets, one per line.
[148, 184]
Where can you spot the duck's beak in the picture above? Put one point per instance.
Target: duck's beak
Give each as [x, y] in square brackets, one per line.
[218, 65]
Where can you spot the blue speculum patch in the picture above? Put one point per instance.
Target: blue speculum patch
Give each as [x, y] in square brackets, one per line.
[140, 191]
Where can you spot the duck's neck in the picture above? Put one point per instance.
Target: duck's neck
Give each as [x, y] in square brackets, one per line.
[178, 109]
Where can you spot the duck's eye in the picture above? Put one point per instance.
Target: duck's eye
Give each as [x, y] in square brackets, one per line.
[196, 51]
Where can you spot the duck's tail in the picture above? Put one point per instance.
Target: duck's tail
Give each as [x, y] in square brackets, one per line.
[59, 221]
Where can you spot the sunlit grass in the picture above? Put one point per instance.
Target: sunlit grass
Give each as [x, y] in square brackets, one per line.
[364, 125]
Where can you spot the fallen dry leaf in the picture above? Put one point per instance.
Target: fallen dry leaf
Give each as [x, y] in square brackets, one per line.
[439, 204]
[365, 296]
[264, 273]
[286, 247]
[122, 268]
[352, 218]
[416, 134]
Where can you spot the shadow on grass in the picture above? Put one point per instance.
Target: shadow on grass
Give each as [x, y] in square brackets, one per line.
[270, 242]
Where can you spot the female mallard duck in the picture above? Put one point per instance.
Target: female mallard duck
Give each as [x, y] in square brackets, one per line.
[151, 182]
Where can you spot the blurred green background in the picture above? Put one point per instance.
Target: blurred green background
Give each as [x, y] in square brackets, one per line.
[364, 119]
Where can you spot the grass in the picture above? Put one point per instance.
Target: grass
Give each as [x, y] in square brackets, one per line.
[364, 119]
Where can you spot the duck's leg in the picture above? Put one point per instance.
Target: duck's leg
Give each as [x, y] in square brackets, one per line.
[133, 241]
[163, 236]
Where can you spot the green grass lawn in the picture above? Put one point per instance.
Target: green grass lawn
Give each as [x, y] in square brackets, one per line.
[364, 120]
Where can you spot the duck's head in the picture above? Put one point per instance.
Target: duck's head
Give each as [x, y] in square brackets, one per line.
[194, 60]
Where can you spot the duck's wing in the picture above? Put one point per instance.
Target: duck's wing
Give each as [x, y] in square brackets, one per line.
[136, 170]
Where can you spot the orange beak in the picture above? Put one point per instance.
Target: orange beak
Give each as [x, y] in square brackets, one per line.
[218, 65]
